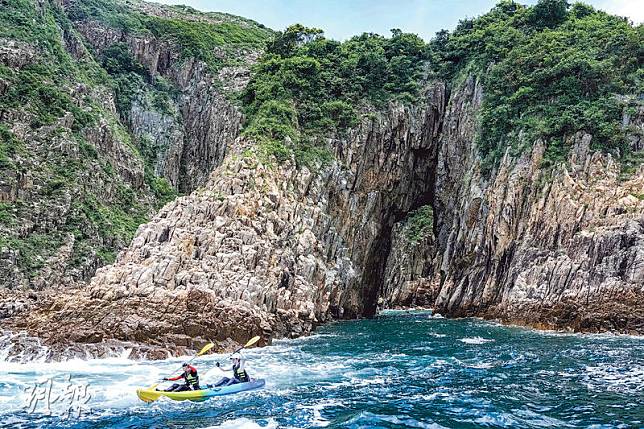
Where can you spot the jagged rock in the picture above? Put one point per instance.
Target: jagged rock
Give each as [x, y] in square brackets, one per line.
[256, 248]
[16, 54]
[194, 138]
[559, 251]
[261, 249]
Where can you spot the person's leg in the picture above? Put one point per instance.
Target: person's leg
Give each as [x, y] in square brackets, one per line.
[182, 388]
[222, 382]
[232, 381]
[172, 388]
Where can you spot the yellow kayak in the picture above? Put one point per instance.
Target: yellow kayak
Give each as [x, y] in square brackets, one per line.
[150, 395]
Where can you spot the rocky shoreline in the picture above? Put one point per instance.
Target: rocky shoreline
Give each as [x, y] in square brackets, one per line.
[405, 214]
[274, 250]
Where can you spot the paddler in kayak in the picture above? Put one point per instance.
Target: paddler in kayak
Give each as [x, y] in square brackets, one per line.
[190, 378]
[239, 371]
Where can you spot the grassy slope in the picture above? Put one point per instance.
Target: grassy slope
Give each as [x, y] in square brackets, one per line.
[104, 209]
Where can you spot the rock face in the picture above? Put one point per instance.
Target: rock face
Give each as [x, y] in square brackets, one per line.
[403, 216]
[190, 136]
[274, 250]
[557, 251]
[262, 249]
[72, 194]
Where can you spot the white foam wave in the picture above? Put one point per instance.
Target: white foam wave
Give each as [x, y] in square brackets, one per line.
[475, 340]
[245, 423]
[481, 365]
[616, 379]
[403, 421]
[318, 420]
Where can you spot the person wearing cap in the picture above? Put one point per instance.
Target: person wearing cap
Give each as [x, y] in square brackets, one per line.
[190, 378]
[239, 371]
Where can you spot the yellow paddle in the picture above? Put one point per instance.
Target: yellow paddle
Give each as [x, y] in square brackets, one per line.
[202, 351]
[248, 344]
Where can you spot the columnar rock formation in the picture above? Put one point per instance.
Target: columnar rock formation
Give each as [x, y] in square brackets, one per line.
[561, 249]
[274, 250]
[190, 138]
[261, 248]
[70, 186]
[402, 216]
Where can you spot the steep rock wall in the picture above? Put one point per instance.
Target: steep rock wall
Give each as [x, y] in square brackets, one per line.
[73, 192]
[191, 136]
[274, 250]
[560, 249]
[260, 249]
[44, 186]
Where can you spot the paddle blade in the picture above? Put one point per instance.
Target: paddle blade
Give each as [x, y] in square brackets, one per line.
[206, 348]
[252, 341]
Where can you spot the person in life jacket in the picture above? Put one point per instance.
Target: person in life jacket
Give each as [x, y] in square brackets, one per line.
[239, 372]
[190, 378]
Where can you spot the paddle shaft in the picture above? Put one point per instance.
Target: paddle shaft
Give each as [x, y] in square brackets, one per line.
[248, 344]
[202, 351]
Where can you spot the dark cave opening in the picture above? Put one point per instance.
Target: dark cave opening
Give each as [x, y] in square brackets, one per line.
[417, 192]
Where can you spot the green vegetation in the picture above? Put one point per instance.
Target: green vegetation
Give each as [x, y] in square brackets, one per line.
[36, 87]
[630, 162]
[200, 39]
[548, 71]
[47, 87]
[33, 250]
[419, 224]
[128, 76]
[7, 215]
[306, 87]
[112, 13]
[10, 147]
[162, 189]
[119, 221]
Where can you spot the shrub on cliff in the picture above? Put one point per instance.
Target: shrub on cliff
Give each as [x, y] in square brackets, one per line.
[206, 39]
[322, 82]
[548, 71]
[419, 224]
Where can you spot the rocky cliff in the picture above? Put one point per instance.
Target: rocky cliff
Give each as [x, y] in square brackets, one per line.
[554, 249]
[101, 123]
[262, 248]
[407, 212]
[275, 250]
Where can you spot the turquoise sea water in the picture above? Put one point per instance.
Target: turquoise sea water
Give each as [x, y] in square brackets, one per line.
[395, 371]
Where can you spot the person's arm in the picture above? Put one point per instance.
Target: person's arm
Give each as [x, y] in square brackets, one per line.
[224, 369]
[178, 377]
[242, 361]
